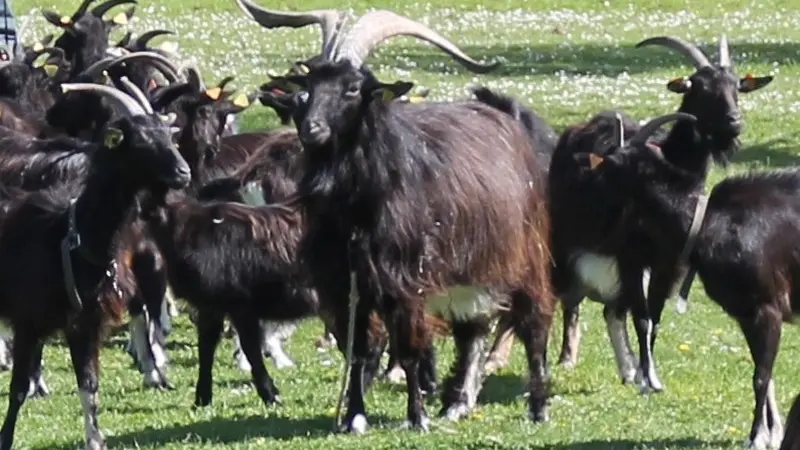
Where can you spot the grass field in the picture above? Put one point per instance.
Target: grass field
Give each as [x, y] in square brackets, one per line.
[567, 59]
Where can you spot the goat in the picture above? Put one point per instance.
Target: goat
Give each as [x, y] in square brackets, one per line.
[744, 248]
[791, 440]
[72, 240]
[85, 36]
[373, 203]
[607, 261]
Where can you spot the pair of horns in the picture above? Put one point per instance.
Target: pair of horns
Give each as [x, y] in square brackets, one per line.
[648, 129]
[135, 104]
[160, 62]
[698, 58]
[364, 36]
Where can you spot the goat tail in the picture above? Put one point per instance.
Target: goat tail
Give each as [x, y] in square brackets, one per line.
[791, 438]
[542, 136]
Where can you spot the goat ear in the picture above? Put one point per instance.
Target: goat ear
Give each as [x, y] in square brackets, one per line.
[589, 160]
[56, 19]
[168, 94]
[680, 85]
[751, 83]
[112, 138]
[389, 92]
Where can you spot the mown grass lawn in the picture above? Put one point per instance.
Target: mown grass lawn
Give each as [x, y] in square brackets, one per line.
[567, 59]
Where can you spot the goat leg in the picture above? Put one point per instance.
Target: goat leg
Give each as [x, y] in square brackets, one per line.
[632, 296]
[209, 333]
[571, 333]
[84, 347]
[37, 387]
[532, 319]
[23, 354]
[412, 338]
[5, 352]
[501, 349]
[460, 393]
[617, 330]
[763, 334]
[356, 417]
[249, 330]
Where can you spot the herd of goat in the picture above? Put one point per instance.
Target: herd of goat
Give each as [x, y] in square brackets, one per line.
[124, 176]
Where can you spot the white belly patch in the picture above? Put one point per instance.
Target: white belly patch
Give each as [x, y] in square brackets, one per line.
[462, 303]
[599, 273]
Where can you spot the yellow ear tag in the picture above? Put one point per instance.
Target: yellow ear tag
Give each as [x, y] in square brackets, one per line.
[214, 93]
[241, 101]
[750, 79]
[50, 69]
[416, 99]
[113, 138]
[37, 47]
[303, 68]
[120, 19]
[388, 95]
[594, 161]
[677, 80]
[65, 20]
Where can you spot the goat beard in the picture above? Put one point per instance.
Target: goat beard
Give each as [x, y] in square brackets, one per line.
[724, 148]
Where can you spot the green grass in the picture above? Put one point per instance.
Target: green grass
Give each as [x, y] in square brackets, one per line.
[567, 59]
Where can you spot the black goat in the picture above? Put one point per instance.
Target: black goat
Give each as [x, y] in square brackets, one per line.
[387, 194]
[791, 439]
[85, 36]
[744, 249]
[48, 235]
[607, 261]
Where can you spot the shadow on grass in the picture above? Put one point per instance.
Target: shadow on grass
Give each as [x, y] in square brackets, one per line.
[778, 152]
[621, 444]
[575, 59]
[222, 432]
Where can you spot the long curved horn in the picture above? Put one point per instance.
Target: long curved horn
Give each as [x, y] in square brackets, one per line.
[123, 100]
[101, 9]
[161, 63]
[376, 26]
[35, 54]
[330, 20]
[724, 52]
[141, 41]
[137, 93]
[698, 58]
[619, 131]
[653, 125]
[82, 9]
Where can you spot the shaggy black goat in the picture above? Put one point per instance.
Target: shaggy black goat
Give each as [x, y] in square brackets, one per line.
[48, 235]
[597, 251]
[388, 195]
[745, 249]
[85, 36]
[791, 439]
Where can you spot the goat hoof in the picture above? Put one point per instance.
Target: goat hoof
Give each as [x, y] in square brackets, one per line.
[94, 445]
[423, 425]
[538, 412]
[760, 442]
[38, 390]
[456, 411]
[357, 425]
[567, 361]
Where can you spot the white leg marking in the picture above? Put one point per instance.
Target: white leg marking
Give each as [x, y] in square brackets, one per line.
[626, 364]
[762, 439]
[94, 439]
[169, 299]
[239, 356]
[359, 424]
[472, 381]
[5, 354]
[599, 273]
[38, 386]
[140, 338]
[776, 432]
[165, 318]
[274, 334]
[651, 382]
[645, 280]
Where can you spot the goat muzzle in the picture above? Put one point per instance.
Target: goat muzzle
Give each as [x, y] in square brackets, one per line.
[314, 132]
